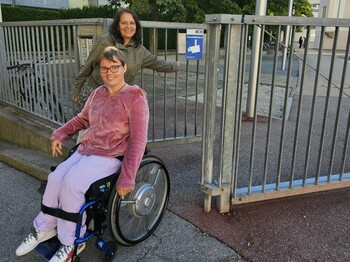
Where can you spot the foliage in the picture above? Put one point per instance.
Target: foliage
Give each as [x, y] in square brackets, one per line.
[277, 8]
[88, 12]
[19, 13]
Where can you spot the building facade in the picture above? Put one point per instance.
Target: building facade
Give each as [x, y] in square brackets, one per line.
[55, 4]
[332, 9]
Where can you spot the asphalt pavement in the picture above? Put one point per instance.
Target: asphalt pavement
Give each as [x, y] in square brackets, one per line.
[174, 240]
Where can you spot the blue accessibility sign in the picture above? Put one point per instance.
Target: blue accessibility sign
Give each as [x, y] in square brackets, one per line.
[194, 43]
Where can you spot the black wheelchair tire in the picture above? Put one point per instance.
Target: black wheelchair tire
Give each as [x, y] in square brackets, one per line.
[135, 218]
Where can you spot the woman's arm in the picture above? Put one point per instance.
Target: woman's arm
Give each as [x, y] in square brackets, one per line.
[138, 122]
[153, 62]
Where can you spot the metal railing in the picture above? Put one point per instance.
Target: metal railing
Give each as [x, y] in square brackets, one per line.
[297, 140]
[42, 58]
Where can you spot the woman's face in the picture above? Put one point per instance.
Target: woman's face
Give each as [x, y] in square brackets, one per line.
[112, 73]
[127, 27]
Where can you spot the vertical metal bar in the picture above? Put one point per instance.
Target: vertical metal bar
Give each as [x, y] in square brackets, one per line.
[39, 40]
[284, 120]
[10, 57]
[5, 53]
[154, 90]
[54, 86]
[300, 103]
[231, 80]
[260, 9]
[196, 100]
[256, 89]
[238, 109]
[165, 86]
[75, 47]
[320, 49]
[8, 75]
[325, 113]
[345, 150]
[224, 105]
[19, 78]
[43, 70]
[186, 97]
[59, 83]
[212, 59]
[73, 53]
[175, 94]
[30, 57]
[342, 84]
[271, 110]
[4, 92]
[15, 51]
[65, 30]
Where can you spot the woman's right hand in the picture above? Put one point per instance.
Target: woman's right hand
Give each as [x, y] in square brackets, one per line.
[75, 98]
[56, 148]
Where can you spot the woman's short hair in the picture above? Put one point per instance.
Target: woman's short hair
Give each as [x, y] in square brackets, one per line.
[114, 27]
[112, 53]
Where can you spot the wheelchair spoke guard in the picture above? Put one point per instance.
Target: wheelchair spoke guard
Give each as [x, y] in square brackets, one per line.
[135, 218]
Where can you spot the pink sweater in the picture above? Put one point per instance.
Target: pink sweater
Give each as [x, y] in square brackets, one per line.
[116, 125]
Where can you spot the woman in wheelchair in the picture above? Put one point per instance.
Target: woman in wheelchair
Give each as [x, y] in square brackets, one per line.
[116, 121]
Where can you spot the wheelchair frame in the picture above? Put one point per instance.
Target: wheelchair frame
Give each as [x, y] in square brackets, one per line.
[130, 221]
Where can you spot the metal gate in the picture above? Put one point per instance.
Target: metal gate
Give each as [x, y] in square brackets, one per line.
[41, 59]
[276, 115]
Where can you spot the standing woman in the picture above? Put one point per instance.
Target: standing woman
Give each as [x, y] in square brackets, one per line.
[116, 121]
[125, 33]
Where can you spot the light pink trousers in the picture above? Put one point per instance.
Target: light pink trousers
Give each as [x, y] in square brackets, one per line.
[66, 187]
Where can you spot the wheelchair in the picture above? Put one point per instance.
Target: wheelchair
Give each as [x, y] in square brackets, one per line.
[129, 221]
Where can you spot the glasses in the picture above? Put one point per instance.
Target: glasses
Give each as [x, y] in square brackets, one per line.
[113, 69]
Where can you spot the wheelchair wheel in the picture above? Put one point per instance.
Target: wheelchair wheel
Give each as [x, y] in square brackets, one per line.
[135, 218]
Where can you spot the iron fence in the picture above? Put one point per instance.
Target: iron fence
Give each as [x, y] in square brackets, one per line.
[279, 132]
[42, 58]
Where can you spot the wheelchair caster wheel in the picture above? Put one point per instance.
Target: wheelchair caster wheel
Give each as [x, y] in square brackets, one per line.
[111, 250]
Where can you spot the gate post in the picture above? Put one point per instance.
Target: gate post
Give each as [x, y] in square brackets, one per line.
[211, 77]
[221, 188]
[231, 109]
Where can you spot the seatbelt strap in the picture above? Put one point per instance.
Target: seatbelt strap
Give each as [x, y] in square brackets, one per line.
[73, 217]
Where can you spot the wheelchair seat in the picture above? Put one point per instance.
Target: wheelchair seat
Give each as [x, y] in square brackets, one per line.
[101, 188]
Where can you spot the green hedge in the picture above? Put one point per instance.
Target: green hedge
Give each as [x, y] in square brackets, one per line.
[88, 12]
[19, 13]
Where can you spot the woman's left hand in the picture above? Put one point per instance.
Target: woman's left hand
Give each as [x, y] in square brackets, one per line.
[122, 192]
[56, 148]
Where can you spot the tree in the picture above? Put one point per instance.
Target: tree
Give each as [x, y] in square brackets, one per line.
[277, 8]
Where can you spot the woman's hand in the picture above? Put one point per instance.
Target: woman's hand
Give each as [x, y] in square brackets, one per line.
[122, 192]
[75, 98]
[56, 148]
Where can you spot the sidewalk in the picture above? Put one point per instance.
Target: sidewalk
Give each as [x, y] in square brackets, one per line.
[174, 240]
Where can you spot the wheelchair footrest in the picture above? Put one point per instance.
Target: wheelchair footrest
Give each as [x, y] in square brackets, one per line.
[49, 247]
[109, 248]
